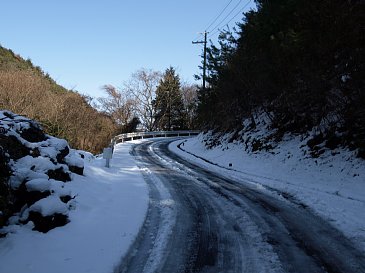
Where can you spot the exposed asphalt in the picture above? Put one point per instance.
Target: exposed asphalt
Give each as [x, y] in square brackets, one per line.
[200, 221]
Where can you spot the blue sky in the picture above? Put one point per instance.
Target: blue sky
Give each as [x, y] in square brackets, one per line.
[84, 44]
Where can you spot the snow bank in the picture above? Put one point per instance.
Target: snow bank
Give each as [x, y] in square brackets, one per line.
[32, 161]
[332, 185]
[106, 214]
[50, 205]
[38, 184]
[98, 211]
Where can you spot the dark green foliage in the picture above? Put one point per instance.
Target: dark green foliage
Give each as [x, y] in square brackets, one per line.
[23, 196]
[59, 174]
[46, 223]
[33, 134]
[131, 126]
[11, 145]
[300, 61]
[4, 189]
[169, 103]
[16, 133]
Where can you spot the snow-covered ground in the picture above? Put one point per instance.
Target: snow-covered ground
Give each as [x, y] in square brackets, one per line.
[111, 204]
[109, 209]
[333, 186]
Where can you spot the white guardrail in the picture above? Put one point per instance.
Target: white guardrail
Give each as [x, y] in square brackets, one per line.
[142, 135]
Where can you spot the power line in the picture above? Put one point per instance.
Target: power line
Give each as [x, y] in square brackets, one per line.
[219, 24]
[216, 18]
[240, 11]
[204, 42]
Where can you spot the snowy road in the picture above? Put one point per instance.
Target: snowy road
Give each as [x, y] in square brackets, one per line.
[199, 221]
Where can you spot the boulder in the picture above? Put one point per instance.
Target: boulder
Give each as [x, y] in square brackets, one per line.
[46, 223]
[37, 158]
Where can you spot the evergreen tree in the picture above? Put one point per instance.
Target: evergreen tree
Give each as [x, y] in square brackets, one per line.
[169, 104]
[302, 62]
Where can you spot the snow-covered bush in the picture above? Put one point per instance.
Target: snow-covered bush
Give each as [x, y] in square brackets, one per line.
[33, 169]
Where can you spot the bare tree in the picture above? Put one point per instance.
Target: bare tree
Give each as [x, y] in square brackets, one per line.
[142, 89]
[189, 94]
[118, 105]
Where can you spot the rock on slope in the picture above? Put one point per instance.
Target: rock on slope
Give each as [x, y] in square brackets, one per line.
[33, 169]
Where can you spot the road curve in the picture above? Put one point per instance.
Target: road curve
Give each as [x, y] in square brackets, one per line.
[199, 221]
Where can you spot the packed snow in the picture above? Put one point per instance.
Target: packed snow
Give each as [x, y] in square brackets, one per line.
[49, 206]
[109, 205]
[107, 211]
[333, 185]
[38, 184]
[29, 167]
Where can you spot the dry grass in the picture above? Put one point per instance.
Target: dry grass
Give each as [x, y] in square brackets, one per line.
[62, 114]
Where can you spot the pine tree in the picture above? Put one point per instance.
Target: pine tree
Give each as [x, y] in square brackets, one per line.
[302, 62]
[168, 103]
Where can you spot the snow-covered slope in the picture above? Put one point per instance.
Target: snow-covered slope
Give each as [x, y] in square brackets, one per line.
[333, 185]
[37, 168]
[68, 213]
[108, 210]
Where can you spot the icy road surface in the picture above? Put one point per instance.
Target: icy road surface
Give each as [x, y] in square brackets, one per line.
[199, 221]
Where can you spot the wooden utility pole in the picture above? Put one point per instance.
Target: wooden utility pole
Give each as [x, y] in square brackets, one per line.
[204, 56]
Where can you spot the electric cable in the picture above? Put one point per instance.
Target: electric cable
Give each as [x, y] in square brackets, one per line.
[240, 11]
[220, 23]
[207, 28]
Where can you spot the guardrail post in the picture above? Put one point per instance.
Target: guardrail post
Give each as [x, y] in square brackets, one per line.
[131, 136]
[107, 155]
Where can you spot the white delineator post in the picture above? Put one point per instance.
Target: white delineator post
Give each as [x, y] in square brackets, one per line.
[107, 154]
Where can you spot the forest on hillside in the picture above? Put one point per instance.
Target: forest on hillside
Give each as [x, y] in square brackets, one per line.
[150, 100]
[26, 90]
[300, 62]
